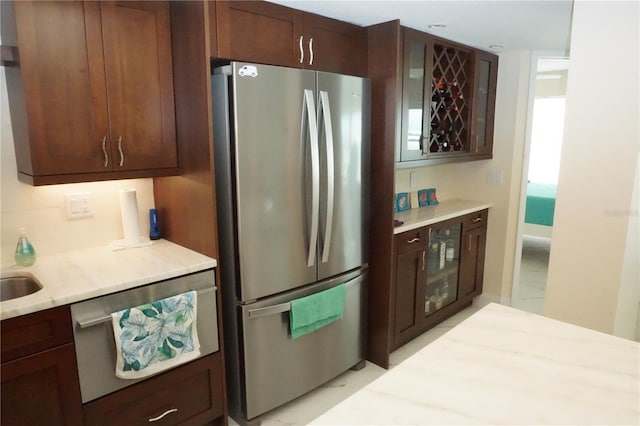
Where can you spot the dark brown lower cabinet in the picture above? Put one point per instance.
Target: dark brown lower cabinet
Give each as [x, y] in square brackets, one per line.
[410, 272]
[39, 375]
[190, 394]
[438, 270]
[472, 267]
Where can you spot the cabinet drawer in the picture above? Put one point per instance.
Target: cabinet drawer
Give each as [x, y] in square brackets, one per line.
[475, 220]
[35, 332]
[411, 240]
[188, 394]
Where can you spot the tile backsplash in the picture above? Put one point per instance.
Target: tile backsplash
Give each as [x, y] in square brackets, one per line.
[42, 212]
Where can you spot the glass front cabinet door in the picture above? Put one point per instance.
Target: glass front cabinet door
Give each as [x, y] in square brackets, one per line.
[443, 264]
[437, 99]
[415, 83]
[450, 101]
[486, 70]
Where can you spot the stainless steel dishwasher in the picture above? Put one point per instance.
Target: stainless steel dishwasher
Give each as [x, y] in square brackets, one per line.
[94, 337]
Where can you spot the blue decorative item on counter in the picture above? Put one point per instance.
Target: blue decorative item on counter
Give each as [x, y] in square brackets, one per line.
[402, 202]
[154, 225]
[431, 197]
[423, 197]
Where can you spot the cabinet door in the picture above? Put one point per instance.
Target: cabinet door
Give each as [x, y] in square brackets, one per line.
[258, 31]
[472, 262]
[415, 92]
[409, 292]
[42, 389]
[62, 69]
[334, 46]
[137, 49]
[486, 76]
[443, 263]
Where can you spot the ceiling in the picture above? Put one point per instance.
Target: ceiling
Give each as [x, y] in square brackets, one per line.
[514, 24]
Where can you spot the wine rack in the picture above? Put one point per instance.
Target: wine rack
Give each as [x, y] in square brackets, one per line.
[451, 88]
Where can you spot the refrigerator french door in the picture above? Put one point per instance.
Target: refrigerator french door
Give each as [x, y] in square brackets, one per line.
[291, 153]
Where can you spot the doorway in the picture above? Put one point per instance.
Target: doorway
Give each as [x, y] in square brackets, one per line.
[539, 181]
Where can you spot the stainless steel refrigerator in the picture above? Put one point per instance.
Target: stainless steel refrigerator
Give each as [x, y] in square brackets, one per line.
[292, 166]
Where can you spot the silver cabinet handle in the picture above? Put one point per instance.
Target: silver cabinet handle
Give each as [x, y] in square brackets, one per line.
[477, 219]
[104, 150]
[120, 150]
[424, 252]
[328, 130]
[166, 413]
[301, 50]
[310, 109]
[413, 240]
[310, 51]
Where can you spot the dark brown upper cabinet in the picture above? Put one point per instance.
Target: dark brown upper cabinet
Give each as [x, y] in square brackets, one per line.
[263, 32]
[92, 96]
[448, 101]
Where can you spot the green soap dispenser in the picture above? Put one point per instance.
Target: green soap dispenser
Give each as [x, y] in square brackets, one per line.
[25, 253]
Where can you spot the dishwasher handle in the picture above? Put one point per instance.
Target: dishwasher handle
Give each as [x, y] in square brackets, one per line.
[107, 317]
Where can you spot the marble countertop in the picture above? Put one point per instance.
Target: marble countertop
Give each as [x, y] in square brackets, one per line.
[423, 216]
[505, 366]
[83, 274]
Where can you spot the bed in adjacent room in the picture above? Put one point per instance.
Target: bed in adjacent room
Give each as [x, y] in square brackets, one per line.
[540, 206]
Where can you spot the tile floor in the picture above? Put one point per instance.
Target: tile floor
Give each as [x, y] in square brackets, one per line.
[306, 408]
[529, 294]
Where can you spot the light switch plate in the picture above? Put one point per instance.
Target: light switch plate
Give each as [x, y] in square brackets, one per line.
[78, 205]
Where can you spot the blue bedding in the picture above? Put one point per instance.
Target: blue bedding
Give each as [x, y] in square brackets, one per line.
[541, 203]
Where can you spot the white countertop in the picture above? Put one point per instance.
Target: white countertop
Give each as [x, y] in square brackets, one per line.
[83, 274]
[505, 366]
[423, 216]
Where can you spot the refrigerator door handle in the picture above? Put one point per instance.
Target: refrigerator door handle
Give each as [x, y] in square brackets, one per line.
[310, 109]
[328, 131]
[269, 310]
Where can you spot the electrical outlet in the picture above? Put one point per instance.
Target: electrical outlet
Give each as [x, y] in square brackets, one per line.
[495, 177]
[78, 205]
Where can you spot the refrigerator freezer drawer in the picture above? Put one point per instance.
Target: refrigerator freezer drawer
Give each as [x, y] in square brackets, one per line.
[278, 368]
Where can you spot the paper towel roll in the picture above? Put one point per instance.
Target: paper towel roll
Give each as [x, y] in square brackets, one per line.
[129, 211]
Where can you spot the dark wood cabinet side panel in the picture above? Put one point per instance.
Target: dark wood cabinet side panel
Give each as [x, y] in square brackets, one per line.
[42, 389]
[383, 47]
[28, 334]
[186, 203]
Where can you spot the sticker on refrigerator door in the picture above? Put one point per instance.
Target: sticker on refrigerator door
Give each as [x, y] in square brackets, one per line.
[249, 70]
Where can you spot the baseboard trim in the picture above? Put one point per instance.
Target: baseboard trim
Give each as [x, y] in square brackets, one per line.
[484, 299]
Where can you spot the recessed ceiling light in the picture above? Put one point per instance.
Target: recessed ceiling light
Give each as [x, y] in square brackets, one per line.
[496, 46]
[437, 26]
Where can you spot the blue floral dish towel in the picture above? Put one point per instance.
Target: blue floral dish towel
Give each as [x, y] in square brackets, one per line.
[156, 336]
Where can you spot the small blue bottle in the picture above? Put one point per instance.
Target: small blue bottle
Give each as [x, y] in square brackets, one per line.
[25, 253]
[154, 225]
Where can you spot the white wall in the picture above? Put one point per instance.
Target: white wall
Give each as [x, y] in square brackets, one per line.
[470, 180]
[41, 210]
[597, 169]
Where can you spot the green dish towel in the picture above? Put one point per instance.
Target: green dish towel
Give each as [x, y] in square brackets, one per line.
[313, 312]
